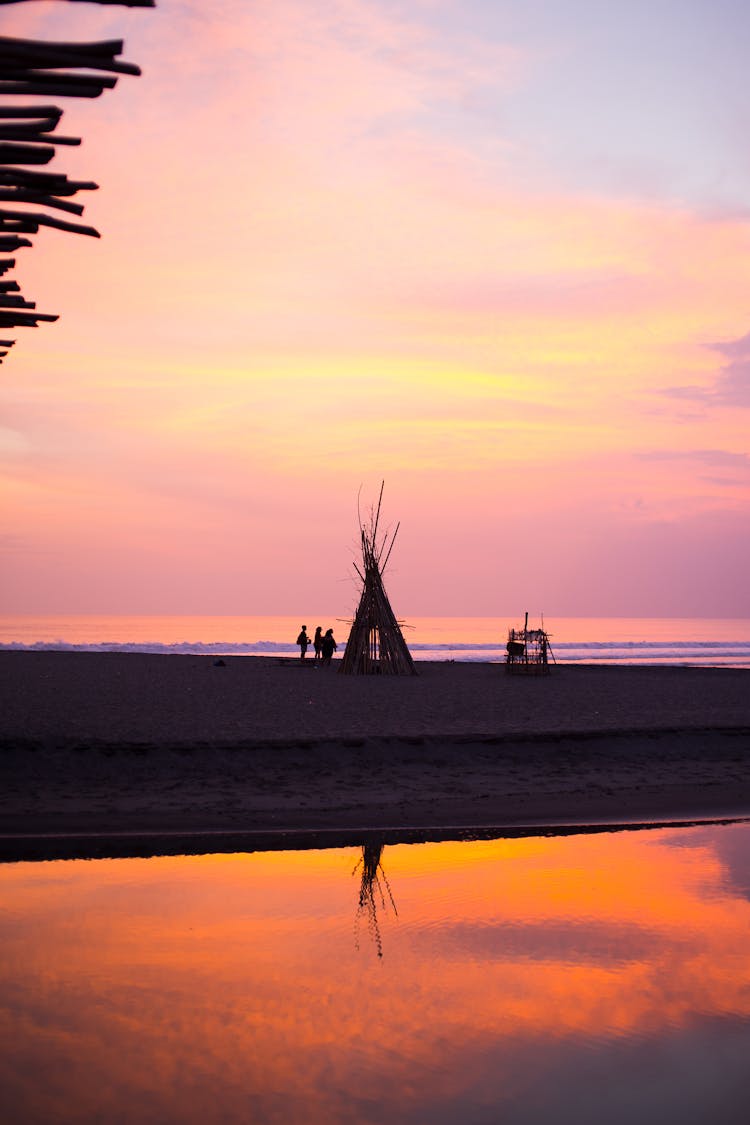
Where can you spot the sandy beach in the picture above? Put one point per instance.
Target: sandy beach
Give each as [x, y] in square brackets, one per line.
[106, 753]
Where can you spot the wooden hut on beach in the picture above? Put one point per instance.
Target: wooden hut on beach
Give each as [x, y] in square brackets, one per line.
[31, 196]
[376, 644]
[528, 651]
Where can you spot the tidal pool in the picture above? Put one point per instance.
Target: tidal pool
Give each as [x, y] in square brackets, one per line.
[589, 978]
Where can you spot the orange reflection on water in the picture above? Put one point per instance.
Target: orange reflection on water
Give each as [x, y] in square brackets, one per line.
[188, 984]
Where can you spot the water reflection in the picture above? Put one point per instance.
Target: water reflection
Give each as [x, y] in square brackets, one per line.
[371, 892]
[586, 979]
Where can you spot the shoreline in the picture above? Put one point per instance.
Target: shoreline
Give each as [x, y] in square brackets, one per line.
[136, 845]
[129, 750]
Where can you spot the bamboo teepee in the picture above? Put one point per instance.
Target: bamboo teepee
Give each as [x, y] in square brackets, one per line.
[376, 643]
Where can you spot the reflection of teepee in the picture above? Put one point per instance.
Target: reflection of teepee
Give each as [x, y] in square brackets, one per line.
[376, 643]
[369, 886]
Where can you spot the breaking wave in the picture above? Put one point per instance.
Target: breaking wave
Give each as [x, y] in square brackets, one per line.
[702, 653]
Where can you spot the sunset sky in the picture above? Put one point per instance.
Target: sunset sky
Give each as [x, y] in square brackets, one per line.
[495, 252]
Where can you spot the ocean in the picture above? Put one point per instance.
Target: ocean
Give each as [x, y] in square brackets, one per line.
[704, 642]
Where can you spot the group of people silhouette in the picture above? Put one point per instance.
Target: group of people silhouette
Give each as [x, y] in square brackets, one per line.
[323, 644]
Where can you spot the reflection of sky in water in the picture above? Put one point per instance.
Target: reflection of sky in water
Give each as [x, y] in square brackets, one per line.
[581, 979]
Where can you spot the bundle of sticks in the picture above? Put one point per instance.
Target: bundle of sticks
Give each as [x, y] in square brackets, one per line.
[28, 69]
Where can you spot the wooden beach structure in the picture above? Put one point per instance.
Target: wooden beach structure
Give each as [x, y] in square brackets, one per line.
[376, 645]
[528, 651]
[30, 195]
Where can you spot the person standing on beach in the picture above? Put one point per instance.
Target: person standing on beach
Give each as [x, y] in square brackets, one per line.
[328, 646]
[303, 641]
[318, 642]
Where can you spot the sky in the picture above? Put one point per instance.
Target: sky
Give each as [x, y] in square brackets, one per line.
[495, 253]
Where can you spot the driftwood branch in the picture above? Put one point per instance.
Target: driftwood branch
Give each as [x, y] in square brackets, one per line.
[15, 303]
[45, 111]
[36, 82]
[29, 59]
[23, 320]
[36, 136]
[25, 130]
[56, 183]
[10, 242]
[25, 219]
[25, 154]
[23, 195]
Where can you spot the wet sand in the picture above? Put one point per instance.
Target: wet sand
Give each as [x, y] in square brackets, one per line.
[110, 753]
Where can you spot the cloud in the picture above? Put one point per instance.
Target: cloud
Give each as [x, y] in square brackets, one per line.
[12, 442]
[734, 466]
[731, 386]
[717, 458]
[734, 349]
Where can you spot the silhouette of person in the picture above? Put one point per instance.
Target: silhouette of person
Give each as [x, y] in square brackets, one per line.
[318, 642]
[328, 646]
[303, 641]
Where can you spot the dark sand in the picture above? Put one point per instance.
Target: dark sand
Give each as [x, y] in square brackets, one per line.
[129, 754]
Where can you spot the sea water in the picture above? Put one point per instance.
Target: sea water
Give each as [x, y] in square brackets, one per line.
[579, 979]
[577, 640]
